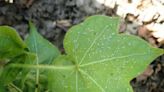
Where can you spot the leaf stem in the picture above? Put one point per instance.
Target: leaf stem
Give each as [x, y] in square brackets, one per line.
[46, 67]
[37, 76]
[18, 89]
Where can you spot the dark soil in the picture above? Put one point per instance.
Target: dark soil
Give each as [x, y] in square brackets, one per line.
[54, 17]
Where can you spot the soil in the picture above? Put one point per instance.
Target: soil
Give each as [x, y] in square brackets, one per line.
[53, 18]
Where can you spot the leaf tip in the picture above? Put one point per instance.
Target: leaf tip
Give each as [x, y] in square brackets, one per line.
[32, 26]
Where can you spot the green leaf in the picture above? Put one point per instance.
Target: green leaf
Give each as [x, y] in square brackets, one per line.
[11, 44]
[44, 50]
[102, 60]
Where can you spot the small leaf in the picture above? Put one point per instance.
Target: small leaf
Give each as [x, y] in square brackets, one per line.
[44, 50]
[45, 53]
[11, 44]
[103, 60]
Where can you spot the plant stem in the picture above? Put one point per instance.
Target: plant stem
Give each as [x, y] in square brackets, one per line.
[37, 80]
[37, 76]
[18, 89]
[46, 67]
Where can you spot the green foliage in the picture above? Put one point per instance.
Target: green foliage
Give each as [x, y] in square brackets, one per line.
[11, 44]
[9, 73]
[97, 59]
[36, 51]
[44, 50]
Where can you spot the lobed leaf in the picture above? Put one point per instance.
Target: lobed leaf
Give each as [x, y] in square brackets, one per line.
[102, 60]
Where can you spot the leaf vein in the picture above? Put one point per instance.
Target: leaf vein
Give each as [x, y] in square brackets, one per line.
[76, 81]
[105, 60]
[92, 79]
[92, 44]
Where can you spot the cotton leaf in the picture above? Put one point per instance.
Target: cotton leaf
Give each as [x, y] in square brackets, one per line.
[98, 59]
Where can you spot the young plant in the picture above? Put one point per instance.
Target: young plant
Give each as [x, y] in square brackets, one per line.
[97, 59]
